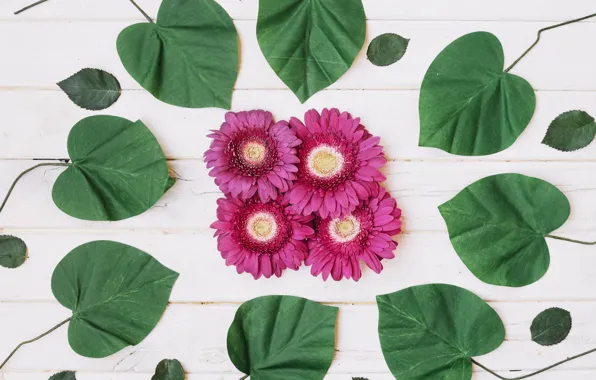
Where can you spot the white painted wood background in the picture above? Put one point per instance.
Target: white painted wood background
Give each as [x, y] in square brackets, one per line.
[54, 40]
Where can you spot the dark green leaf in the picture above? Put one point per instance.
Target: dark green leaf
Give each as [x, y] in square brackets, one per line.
[433, 331]
[468, 105]
[571, 131]
[118, 170]
[92, 89]
[117, 295]
[169, 369]
[387, 49]
[497, 226]
[66, 375]
[310, 44]
[359, 378]
[189, 58]
[551, 326]
[13, 252]
[283, 337]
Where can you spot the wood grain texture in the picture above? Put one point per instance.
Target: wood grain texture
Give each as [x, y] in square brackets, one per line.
[51, 42]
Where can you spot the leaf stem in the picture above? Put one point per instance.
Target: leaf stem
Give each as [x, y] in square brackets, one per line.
[142, 11]
[30, 6]
[544, 30]
[22, 174]
[244, 377]
[34, 339]
[571, 240]
[537, 372]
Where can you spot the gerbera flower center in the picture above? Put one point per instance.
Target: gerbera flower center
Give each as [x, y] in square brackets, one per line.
[262, 226]
[325, 161]
[344, 230]
[254, 152]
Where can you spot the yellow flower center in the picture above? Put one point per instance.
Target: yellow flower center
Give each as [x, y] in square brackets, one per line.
[262, 227]
[254, 152]
[325, 161]
[344, 230]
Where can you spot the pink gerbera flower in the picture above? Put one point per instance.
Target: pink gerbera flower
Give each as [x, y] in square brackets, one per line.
[365, 234]
[250, 154]
[260, 238]
[339, 164]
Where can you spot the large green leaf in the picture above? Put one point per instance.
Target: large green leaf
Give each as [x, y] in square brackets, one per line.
[117, 295]
[433, 331]
[13, 251]
[551, 326]
[283, 337]
[169, 369]
[118, 170]
[92, 89]
[310, 44]
[189, 58]
[468, 105]
[497, 226]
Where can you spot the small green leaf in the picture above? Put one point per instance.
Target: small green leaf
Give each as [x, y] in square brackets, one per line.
[571, 131]
[92, 89]
[283, 337]
[310, 44]
[13, 252]
[468, 105]
[118, 170]
[188, 58]
[497, 226]
[551, 326]
[169, 369]
[66, 375]
[359, 378]
[117, 294]
[433, 331]
[387, 49]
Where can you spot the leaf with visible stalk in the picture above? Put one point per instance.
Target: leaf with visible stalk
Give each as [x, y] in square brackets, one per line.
[571, 131]
[66, 375]
[443, 322]
[169, 369]
[92, 89]
[188, 58]
[120, 160]
[498, 226]
[268, 336]
[551, 327]
[469, 105]
[13, 252]
[117, 294]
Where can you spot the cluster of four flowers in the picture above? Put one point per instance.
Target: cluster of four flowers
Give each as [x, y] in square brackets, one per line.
[301, 193]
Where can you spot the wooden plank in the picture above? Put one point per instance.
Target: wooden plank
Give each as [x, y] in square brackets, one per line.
[393, 115]
[62, 52]
[528, 10]
[196, 335]
[419, 187]
[420, 258]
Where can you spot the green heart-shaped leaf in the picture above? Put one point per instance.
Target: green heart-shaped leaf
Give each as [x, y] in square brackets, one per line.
[497, 226]
[571, 131]
[169, 369]
[433, 331]
[386, 49]
[189, 58]
[283, 337]
[13, 252]
[551, 326]
[117, 294]
[118, 170]
[310, 44]
[66, 375]
[92, 89]
[468, 105]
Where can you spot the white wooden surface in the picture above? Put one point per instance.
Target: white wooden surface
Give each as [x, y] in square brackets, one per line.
[47, 44]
